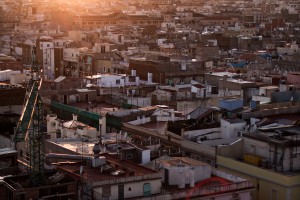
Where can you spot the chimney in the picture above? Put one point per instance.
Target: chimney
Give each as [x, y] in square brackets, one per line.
[96, 150]
[133, 72]
[74, 117]
[172, 115]
[149, 77]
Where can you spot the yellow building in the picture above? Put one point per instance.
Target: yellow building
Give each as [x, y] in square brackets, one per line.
[270, 185]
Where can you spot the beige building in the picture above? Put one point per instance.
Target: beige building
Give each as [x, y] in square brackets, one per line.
[117, 18]
[271, 160]
[219, 21]
[269, 184]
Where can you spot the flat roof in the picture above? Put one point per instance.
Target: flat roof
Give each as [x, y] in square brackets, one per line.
[269, 87]
[114, 169]
[235, 121]
[6, 151]
[222, 74]
[240, 81]
[175, 161]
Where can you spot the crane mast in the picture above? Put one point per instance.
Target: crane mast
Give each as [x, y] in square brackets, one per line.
[30, 125]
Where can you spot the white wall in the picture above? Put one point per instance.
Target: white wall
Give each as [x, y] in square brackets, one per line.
[229, 130]
[261, 99]
[140, 120]
[5, 74]
[49, 64]
[136, 189]
[45, 47]
[110, 81]
[52, 125]
[200, 173]
[145, 156]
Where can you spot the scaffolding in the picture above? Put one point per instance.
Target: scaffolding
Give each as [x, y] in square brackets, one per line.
[30, 126]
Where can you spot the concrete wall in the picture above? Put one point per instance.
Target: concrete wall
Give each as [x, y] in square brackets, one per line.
[258, 148]
[5, 142]
[133, 189]
[14, 109]
[196, 133]
[139, 102]
[233, 150]
[198, 148]
[52, 147]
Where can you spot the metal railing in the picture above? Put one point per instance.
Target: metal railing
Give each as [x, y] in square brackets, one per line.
[203, 191]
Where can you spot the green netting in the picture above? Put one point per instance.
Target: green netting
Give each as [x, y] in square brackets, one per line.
[77, 111]
[84, 116]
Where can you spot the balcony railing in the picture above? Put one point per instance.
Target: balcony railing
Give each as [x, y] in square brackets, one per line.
[203, 191]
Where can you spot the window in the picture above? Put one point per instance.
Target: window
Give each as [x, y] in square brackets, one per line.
[129, 156]
[129, 189]
[147, 189]
[118, 82]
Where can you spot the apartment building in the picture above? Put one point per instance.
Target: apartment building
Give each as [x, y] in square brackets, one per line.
[117, 18]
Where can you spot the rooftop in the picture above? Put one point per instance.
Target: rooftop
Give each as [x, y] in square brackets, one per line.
[235, 121]
[7, 151]
[175, 161]
[114, 169]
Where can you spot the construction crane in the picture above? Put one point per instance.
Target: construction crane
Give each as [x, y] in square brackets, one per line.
[30, 125]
